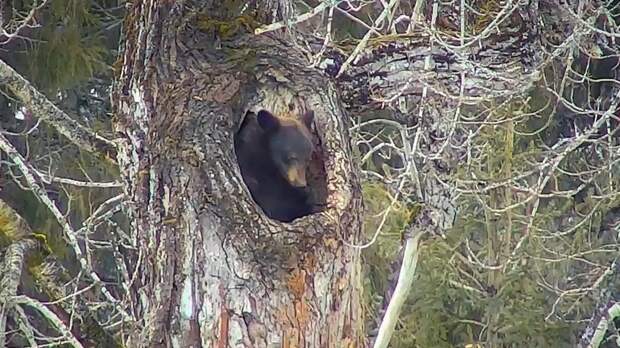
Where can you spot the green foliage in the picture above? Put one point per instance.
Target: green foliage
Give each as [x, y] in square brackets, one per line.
[8, 229]
[377, 257]
[435, 306]
[69, 48]
[456, 300]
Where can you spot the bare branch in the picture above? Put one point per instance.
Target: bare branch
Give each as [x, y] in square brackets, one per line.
[67, 336]
[282, 24]
[78, 183]
[11, 270]
[40, 193]
[14, 32]
[401, 293]
[39, 105]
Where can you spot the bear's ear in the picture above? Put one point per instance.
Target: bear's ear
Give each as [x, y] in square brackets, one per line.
[267, 121]
[308, 117]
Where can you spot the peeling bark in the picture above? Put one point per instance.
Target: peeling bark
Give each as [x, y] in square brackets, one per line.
[215, 271]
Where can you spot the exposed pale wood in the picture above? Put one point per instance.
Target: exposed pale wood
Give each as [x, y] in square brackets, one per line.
[216, 271]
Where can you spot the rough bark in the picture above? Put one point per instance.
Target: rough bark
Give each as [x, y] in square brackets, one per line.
[428, 86]
[179, 103]
[213, 270]
[12, 262]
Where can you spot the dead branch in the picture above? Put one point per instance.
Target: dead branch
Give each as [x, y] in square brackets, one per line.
[39, 105]
[71, 235]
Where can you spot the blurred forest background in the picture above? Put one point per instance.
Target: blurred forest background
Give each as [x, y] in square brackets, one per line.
[532, 258]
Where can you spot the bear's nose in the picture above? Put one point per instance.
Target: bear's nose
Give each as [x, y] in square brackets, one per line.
[296, 176]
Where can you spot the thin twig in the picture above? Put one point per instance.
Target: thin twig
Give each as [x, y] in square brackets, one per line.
[38, 191]
[44, 109]
[301, 18]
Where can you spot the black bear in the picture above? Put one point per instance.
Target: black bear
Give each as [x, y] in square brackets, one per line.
[273, 154]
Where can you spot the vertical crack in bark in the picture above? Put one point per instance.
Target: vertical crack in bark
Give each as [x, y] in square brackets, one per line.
[179, 116]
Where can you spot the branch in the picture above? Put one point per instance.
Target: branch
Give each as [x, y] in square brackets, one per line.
[301, 18]
[50, 280]
[6, 13]
[38, 104]
[75, 303]
[594, 334]
[50, 178]
[405, 280]
[604, 314]
[13, 263]
[362, 44]
[51, 317]
[41, 194]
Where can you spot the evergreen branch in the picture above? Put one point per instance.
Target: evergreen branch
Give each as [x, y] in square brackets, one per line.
[43, 108]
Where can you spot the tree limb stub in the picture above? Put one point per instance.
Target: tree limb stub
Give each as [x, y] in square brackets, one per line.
[44, 109]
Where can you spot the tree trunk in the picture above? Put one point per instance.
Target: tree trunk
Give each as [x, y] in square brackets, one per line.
[212, 270]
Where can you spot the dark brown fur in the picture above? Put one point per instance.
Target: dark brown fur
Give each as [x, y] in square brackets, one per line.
[273, 154]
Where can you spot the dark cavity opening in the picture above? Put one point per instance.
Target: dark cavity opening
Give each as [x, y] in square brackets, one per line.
[281, 164]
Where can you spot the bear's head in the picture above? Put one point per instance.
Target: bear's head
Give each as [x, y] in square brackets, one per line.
[290, 144]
